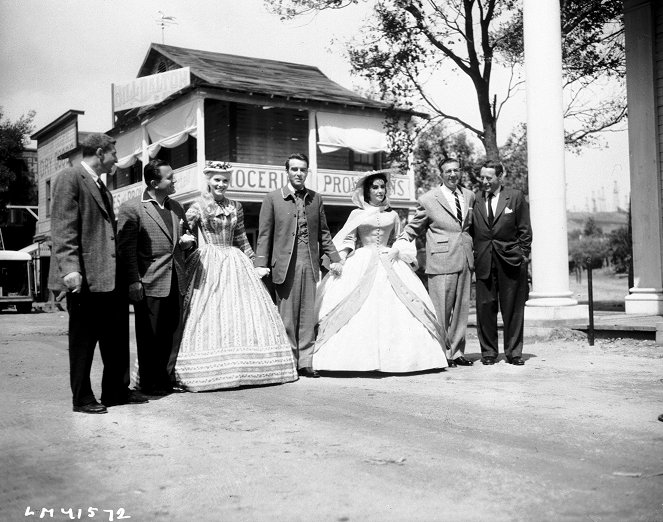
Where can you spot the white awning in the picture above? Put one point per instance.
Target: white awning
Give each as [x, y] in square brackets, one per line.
[172, 128]
[129, 147]
[363, 134]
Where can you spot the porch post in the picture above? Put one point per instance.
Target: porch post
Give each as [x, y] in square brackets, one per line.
[550, 298]
[312, 151]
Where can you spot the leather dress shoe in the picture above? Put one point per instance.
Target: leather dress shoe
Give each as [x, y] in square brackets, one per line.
[463, 361]
[93, 407]
[308, 372]
[133, 397]
[451, 363]
[488, 360]
[516, 361]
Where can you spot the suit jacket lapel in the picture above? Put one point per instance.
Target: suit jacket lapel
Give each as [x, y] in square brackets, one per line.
[502, 202]
[480, 204]
[93, 189]
[466, 194]
[442, 200]
[176, 227]
[152, 212]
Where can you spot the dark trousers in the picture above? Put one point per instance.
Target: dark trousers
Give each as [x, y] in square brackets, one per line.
[295, 298]
[98, 317]
[158, 322]
[507, 285]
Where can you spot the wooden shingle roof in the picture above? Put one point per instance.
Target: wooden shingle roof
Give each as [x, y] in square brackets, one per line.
[244, 74]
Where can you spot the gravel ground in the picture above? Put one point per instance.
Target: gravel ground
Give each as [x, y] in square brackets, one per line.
[572, 435]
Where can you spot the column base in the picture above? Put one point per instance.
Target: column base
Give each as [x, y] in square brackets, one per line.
[555, 313]
[554, 308]
[644, 301]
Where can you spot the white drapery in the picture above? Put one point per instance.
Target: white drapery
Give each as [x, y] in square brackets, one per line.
[172, 128]
[129, 147]
[363, 134]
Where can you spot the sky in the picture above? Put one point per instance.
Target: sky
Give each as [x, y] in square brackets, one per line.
[61, 55]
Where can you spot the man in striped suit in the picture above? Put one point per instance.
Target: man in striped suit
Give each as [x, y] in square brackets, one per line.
[152, 240]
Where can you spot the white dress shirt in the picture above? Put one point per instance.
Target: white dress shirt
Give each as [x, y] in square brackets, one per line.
[451, 199]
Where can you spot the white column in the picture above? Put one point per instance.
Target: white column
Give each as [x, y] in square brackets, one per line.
[145, 155]
[312, 180]
[200, 144]
[550, 298]
[644, 134]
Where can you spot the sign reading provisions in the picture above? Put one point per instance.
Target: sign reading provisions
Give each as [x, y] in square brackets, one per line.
[149, 90]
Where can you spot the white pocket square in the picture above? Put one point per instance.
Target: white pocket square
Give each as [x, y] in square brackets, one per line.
[507, 210]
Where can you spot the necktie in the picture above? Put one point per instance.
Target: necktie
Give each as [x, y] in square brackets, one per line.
[491, 216]
[459, 212]
[104, 196]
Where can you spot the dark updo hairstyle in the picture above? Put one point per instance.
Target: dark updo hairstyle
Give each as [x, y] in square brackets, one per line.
[369, 181]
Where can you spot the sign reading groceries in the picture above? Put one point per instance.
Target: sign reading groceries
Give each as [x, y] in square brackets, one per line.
[149, 90]
[265, 178]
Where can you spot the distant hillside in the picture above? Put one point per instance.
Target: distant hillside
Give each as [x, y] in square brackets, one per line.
[606, 221]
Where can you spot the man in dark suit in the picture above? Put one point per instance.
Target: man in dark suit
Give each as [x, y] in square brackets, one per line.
[152, 240]
[292, 232]
[84, 264]
[444, 216]
[502, 244]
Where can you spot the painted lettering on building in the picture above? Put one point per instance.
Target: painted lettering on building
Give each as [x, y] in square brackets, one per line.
[149, 90]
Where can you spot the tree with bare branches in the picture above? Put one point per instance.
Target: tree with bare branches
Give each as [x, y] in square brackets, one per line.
[407, 44]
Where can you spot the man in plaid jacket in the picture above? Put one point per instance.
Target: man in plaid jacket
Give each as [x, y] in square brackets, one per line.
[152, 240]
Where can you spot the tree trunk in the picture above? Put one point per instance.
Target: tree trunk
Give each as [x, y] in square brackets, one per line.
[488, 121]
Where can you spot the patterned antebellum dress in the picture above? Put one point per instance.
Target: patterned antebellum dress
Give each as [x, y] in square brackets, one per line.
[377, 315]
[233, 334]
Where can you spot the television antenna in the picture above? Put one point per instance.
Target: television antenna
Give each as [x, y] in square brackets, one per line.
[162, 21]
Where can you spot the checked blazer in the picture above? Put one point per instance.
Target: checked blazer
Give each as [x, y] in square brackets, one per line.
[83, 233]
[448, 241]
[148, 252]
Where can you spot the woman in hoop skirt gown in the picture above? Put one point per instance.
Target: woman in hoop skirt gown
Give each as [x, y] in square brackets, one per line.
[233, 334]
[377, 315]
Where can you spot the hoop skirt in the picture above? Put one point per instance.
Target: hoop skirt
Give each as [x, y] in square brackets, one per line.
[233, 334]
[377, 315]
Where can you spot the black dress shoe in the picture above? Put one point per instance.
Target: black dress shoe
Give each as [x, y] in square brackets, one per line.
[308, 372]
[463, 361]
[133, 397]
[451, 363]
[93, 407]
[516, 361]
[488, 360]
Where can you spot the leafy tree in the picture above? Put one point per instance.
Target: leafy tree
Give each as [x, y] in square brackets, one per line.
[621, 249]
[17, 184]
[436, 143]
[591, 229]
[406, 43]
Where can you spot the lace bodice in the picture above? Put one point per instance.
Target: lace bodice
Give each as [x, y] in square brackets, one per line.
[376, 230]
[220, 225]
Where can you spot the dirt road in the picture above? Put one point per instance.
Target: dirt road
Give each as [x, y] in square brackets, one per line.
[572, 435]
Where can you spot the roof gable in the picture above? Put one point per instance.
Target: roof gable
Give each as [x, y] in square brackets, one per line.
[253, 75]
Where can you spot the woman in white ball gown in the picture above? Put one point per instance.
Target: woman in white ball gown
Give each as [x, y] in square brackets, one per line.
[377, 315]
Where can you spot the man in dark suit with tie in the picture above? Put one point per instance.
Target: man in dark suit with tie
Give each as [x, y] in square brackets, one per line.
[152, 240]
[502, 244]
[292, 233]
[84, 264]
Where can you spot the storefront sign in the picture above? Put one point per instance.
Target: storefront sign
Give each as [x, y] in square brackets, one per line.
[334, 183]
[48, 151]
[126, 193]
[149, 90]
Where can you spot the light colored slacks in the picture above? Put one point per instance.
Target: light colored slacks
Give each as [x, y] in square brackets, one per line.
[450, 294]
